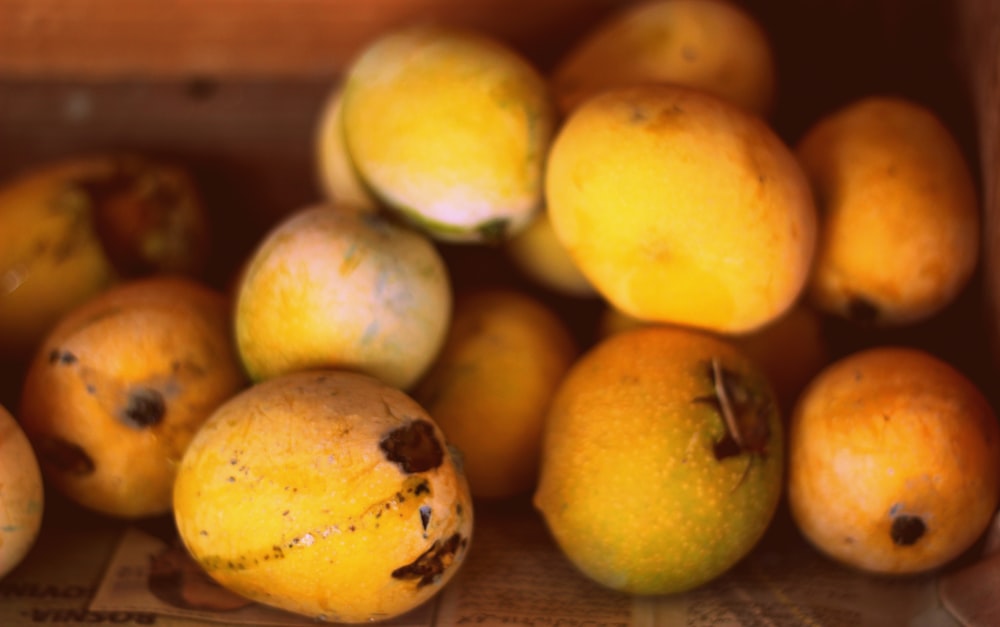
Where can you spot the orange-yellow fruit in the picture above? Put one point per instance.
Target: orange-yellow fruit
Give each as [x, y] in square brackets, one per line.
[119, 386]
[538, 253]
[662, 460]
[899, 216]
[22, 494]
[894, 461]
[681, 207]
[325, 493]
[335, 171]
[790, 350]
[449, 128]
[490, 387]
[335, 285]
[714, 45]
[70, 228]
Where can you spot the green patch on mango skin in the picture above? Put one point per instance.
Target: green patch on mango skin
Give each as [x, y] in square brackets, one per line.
[493, 231]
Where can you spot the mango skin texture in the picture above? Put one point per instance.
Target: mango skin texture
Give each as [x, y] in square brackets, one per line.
[325, 493]
[894, 461]
[340, 286]
[635, 484]
[22, 494]
[681, 207]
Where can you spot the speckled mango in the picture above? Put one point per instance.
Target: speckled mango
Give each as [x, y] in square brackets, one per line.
[70, 228]
[662, 460]
[325, 493]
[119, 386]
[22, 494]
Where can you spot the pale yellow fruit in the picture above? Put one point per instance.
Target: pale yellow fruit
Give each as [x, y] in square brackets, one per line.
[899, 215]
[894, 461]
[334, 285]
[681, 207]
[335, 171]
[449, 128]
[325, 493]
[490, 388]
[539, 254]
[714, 45]
[22, 494]
[119, 386]
[70, 228]
[645, 484]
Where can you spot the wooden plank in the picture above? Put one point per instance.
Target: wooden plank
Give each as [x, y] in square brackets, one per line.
[109, 39]
[978, 28]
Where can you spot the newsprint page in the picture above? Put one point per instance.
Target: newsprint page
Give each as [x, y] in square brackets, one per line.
[85, 570]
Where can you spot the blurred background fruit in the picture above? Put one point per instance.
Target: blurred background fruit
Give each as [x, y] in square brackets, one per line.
[714, 45]
[538, 253]
[899, 233]
[22, 494]
[491, 386]
[338, 177]
[70, 228]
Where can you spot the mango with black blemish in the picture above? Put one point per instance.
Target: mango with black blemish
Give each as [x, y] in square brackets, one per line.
[449, 128]
[22, 494]
[327, 493]
[118, 387]
[662, 460]
[72, 227]
[893, 461]
[899, 230]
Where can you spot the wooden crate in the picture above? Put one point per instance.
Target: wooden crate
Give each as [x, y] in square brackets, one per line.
[233, 88]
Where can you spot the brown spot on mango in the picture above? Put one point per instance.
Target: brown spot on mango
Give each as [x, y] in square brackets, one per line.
[65, 456]
[413, 447]
[432, 562]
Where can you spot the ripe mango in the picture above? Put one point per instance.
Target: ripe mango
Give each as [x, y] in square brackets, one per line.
[449, 128]
[70, 228]
[326, 493]
[22, 494]
[662, 460]
[118, 387]
[893, 461]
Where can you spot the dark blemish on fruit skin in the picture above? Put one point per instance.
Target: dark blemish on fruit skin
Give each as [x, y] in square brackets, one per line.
[65, 456]
[64, 358]
[146, 407]
[862, 310]
[425, 516]
[744, 414]
[413, 447]
[429, 566]
[907, 530]
[493, 231]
